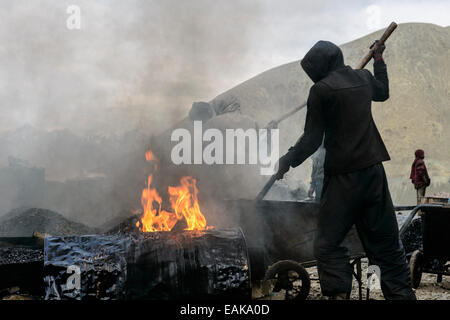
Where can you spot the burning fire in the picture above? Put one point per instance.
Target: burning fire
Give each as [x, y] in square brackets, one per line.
[183, 200]
[149, 156]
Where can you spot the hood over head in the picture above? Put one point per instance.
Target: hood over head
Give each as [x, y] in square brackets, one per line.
[321, 59]
[420, 154]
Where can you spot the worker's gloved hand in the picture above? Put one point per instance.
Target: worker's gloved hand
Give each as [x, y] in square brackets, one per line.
[283, 167]
[377, 50]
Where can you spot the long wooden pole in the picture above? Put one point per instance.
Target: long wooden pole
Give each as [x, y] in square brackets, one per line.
[363, 63]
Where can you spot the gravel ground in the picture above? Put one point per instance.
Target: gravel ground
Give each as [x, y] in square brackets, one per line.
[22, 222]
[20, 255]
[429, 289]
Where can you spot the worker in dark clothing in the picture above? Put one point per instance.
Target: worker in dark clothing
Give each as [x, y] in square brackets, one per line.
[317, 174]
[355, 190]
[419, 175]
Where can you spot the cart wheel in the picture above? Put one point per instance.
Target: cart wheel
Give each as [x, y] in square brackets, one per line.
[291, 277]
[415, 265]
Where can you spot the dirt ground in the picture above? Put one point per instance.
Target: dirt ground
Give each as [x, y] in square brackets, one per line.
[429, 289]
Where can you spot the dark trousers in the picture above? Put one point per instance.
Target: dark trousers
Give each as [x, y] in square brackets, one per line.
[318, 189]
[360, 198]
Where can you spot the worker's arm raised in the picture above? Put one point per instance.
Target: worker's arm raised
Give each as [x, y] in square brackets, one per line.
[380, 83]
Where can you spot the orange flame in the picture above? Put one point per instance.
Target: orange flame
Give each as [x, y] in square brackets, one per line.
[183, 200]
[149, 156]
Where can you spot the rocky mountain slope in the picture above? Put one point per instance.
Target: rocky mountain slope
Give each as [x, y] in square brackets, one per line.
[417, 115]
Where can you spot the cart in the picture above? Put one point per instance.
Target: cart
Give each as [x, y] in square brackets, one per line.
[434, 255]
[279, 236]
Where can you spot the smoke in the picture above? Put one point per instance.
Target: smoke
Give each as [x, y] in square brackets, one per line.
[134, 64]
[136, 67]
[141, 64]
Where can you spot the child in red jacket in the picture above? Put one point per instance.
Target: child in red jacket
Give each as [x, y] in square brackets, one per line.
[419, 175]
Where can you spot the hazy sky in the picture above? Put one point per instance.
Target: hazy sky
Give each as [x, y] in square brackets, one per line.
[141, 63]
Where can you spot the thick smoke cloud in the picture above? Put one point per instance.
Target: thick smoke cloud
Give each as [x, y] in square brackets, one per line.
[133, 64]
[94, 96]
[141, 64]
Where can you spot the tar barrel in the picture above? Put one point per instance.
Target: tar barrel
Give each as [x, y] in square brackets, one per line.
[210, 264]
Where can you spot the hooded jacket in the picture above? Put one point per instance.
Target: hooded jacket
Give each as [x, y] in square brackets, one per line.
[339, 108]
[419, 174]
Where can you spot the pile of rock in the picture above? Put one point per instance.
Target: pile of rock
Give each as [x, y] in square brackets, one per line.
[23, 222]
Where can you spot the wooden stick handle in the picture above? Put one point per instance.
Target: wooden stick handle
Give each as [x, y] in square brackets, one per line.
[266, 188]
[387, 33]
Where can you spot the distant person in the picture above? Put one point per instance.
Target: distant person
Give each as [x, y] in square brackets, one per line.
[317, 174]
[419, 175]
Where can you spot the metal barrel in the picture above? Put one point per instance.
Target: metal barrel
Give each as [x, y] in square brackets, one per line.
[210, 264]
